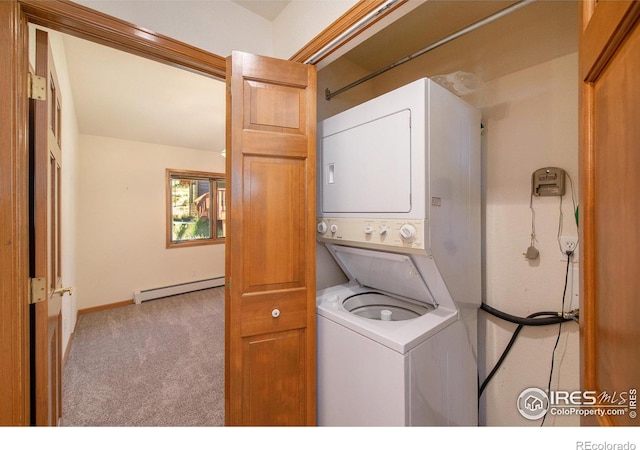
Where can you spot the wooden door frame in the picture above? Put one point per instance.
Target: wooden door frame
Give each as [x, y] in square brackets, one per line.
[76, 20]
[14, 218]
[596, 50]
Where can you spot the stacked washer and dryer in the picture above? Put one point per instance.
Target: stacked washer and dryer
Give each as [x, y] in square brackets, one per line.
[399, 211]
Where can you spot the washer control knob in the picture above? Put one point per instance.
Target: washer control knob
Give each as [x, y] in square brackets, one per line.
[334, 228]
[322, 227]
[383, 230]
[408, 232]
[368, 230]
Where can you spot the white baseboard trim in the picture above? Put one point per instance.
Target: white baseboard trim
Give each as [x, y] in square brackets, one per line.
[175, 289]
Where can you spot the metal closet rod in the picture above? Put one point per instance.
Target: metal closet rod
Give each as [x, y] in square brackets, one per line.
[351, 31]
[329, 95]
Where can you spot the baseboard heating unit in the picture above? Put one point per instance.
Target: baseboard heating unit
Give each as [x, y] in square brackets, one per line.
[175, 289]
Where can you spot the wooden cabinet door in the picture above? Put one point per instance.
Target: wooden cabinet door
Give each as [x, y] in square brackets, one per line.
[610, 203]
[270, 249]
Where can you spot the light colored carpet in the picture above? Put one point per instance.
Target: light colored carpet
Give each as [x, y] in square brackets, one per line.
[160, 363]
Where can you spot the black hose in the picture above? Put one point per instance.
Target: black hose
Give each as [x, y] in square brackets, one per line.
[528, 321]
[531, 320]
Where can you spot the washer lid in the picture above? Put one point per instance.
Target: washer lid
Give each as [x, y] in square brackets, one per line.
[392, 273]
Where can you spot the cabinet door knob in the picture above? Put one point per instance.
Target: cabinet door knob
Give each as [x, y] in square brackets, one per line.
[275, 313]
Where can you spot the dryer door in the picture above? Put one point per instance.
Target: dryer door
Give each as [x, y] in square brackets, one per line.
[367, 168]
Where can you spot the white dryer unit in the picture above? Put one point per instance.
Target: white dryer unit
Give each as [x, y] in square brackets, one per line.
[399, 210]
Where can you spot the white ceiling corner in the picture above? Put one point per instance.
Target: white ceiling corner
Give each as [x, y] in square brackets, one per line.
[269, 9]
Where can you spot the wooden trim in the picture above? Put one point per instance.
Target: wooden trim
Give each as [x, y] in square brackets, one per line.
[586, 11]
[608, 24]
[83, 22]
[588, 240]
[14, 218]
[343, 23]
[586, 229]
[82, 312]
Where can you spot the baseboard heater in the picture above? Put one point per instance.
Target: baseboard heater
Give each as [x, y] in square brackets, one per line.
[165, 291]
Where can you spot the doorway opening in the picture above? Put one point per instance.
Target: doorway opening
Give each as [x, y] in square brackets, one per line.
[127, 120]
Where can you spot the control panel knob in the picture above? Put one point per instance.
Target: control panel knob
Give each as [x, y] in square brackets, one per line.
[368, 230]
[383, 231]
[322, 227]
[408, 232]
[334, 228]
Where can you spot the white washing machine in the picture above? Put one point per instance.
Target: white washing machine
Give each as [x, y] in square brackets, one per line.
[387, 359]
[399, 211]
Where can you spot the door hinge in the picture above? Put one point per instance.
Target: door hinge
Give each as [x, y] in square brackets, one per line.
[37, 290]
[37, 87]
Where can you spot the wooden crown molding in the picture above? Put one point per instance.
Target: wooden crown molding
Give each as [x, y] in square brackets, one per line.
[86, 23]
[343, 23]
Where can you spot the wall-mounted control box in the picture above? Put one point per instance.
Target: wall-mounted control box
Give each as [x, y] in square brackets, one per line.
[548, 181]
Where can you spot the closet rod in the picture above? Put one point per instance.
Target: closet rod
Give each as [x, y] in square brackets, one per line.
[522, 3]
[385, 8]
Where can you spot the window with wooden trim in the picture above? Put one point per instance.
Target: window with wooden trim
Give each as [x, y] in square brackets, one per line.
[196, 208]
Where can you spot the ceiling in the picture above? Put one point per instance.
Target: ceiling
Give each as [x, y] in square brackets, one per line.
[120, 95]
[269, 9]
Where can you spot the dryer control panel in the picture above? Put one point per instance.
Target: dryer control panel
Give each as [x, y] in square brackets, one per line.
[392, 234]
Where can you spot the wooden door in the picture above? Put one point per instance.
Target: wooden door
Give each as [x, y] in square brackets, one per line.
[270, 250]
[610, 202]
[46, 172]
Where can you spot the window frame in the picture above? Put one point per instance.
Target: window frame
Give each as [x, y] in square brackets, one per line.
[212, 178]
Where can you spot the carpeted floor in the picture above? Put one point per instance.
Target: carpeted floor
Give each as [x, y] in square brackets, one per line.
[160, 363]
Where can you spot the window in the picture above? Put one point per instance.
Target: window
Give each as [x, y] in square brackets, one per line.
[196, 208]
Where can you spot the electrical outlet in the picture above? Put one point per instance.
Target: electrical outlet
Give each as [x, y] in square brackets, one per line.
[569, 244]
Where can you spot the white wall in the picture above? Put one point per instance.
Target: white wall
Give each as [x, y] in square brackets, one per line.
[531, 120]
[121, 241]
